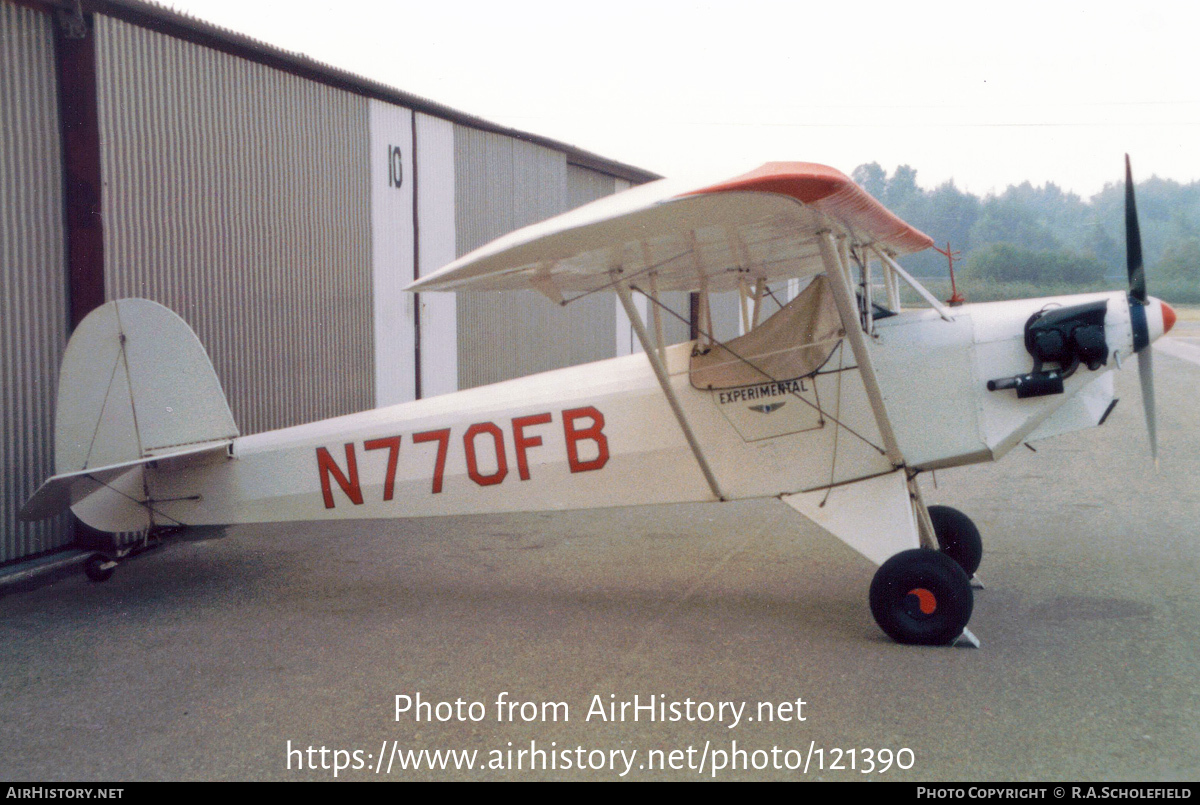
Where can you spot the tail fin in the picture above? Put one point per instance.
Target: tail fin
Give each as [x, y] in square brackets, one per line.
[136, 385]
[135, 380]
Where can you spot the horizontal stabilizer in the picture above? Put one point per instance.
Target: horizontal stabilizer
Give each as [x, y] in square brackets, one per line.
[61, 492]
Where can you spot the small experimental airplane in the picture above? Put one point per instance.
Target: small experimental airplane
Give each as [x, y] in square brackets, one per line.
[834, 403]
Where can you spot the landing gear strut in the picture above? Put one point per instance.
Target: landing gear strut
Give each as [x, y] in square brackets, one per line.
[101, 565]
[922, 597]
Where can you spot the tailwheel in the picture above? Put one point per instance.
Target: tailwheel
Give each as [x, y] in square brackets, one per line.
[958, 537]
[921, 597]
[99, 567]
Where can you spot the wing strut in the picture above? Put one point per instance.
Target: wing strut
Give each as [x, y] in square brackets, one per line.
[840, 285]
[660, 371]
[912, 283]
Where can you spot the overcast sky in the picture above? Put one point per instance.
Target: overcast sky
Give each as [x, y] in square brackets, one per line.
[1039, 91]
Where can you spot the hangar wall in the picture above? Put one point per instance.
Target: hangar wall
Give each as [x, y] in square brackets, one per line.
[238, 196]
[502, 184]
[279, 205]
[33, 302]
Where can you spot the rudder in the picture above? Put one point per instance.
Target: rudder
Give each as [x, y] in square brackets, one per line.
[135, 382]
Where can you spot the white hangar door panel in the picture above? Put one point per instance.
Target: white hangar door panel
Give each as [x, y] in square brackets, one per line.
[392, 252]
[438, 326]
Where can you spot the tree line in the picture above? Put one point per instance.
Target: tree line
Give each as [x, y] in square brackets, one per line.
[1030, 241]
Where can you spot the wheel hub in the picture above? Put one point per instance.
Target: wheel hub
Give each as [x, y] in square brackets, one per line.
[920, 603]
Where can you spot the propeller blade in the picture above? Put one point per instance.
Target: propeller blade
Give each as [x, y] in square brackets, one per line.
[1146, 375]
[1137, 310]
[1133, 242]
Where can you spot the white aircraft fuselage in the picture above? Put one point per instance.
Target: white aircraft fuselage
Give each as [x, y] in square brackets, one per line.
[603, 434]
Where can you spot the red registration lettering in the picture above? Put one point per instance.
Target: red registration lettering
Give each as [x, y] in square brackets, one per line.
[523, 442]
[327, 466]
[442, 437]
[392, 443]
[593, 433]
[501, 462]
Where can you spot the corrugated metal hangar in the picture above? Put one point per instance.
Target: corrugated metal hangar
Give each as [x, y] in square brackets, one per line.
[278, 205]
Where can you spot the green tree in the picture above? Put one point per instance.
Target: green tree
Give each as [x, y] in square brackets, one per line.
[1006, 219]
[1106, 249]
[952, 213]
[1072, 268]
[1180, 262]
[902, 188]
[872, 178]
[1056, 238]
[1007, 262]
[1001, 262]
[1176, 277]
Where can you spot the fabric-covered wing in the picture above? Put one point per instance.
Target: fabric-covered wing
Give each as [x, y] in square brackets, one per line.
[762, 225]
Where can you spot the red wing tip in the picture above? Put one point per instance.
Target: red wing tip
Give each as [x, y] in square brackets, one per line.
[821, 185]
[807, 181]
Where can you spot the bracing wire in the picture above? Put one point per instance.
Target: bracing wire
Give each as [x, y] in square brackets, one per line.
[836, 429]
[768, 376]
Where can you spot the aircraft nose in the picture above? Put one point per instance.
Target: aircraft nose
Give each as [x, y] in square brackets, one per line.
[1168, 316]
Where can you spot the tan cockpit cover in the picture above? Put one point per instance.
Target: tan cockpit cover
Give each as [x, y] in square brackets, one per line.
[793, 343]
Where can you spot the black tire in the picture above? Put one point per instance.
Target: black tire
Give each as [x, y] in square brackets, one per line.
[958, 537]
[99, 567]
[921, 597]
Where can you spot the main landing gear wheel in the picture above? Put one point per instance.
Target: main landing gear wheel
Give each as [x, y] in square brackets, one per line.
[958, 537]
[99, 567]
[921, 596]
